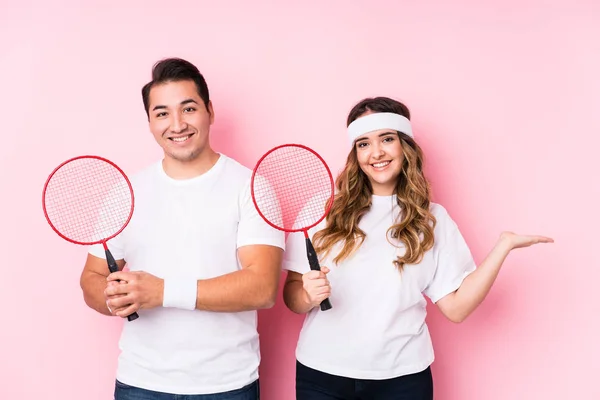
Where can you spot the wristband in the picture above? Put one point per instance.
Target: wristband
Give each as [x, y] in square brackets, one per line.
[180, 293]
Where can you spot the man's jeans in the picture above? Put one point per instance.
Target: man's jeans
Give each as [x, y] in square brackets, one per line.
[126, 392]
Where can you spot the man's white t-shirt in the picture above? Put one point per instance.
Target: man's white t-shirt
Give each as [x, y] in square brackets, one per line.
[376, 328]
[190, 229]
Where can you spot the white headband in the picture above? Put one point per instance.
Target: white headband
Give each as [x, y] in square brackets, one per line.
[376, 121]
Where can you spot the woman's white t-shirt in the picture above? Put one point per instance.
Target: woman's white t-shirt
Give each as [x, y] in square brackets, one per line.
[376, 328]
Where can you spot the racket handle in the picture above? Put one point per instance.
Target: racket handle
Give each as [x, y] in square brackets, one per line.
[113, 267]
[132, 317]
[313, 261]
[325, 305]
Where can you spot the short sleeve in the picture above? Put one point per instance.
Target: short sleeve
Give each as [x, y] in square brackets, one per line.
[252, 228]
[294, 257]
[453, 258]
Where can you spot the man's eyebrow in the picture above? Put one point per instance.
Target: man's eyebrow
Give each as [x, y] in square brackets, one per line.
[187, 101]
[184, 102]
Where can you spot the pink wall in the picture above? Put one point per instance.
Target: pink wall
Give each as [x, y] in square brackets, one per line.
[505, 101]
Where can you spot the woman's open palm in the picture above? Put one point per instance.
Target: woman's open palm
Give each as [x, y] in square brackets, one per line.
[519, 241]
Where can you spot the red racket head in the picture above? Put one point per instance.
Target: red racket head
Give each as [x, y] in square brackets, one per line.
[292, 188]
[88, 200]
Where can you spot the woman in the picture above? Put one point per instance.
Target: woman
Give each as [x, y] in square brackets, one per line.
[387, 245]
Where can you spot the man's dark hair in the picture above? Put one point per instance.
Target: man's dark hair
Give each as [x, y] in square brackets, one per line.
[174, 70]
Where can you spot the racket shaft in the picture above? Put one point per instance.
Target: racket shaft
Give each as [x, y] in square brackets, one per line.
[113, 267]
[313, 261]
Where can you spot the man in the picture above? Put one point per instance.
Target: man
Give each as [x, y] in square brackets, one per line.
[200, 259]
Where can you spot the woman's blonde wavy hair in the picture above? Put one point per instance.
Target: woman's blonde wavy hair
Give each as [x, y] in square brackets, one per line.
[353, 198]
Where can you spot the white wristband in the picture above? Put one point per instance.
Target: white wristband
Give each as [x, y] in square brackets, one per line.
[180, 293]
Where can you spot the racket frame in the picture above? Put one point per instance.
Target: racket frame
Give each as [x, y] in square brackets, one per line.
[330, 203]
[103, 241]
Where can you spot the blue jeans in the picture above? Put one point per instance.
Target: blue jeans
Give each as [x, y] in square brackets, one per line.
[126, 392]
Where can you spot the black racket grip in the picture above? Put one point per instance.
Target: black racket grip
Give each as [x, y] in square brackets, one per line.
[113, 267]
[313, 261]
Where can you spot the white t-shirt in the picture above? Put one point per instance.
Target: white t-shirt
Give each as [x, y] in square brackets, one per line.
[376, 328]
[190, 228]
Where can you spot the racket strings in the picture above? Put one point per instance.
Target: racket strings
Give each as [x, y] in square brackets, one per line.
[88, 200]
[291, 187]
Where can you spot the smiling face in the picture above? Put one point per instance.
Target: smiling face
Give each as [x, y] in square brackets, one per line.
[179, 121]
[380, 157]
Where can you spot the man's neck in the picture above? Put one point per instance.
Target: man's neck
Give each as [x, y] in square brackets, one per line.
[190, 169]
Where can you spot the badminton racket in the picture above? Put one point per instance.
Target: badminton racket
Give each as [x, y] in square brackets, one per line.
[89, 200]
[292, 190]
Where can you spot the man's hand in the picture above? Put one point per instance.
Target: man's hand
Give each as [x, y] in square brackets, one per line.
[137, 290]
[113, 310]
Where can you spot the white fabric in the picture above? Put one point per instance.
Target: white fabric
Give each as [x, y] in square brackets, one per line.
[190, 229]
[180, 293]
[376, 328]
[376, 121]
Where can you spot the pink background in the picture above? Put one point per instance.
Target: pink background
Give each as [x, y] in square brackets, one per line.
[505, 100]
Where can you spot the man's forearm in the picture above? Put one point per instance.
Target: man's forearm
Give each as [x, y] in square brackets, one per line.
[242, 290]
[93, 286]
